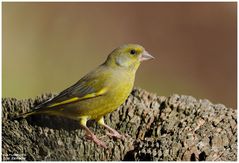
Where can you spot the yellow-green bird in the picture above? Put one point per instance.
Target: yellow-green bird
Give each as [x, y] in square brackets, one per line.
[99, 92]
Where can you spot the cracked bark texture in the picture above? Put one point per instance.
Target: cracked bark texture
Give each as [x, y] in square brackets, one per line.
[159, 128]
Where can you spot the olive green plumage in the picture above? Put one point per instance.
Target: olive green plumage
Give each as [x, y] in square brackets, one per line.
[99, 92]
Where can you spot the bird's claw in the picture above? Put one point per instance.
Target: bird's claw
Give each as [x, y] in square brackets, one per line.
[116, 135]
[96, 141]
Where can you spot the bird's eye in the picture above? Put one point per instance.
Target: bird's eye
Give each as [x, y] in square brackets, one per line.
[132, 52]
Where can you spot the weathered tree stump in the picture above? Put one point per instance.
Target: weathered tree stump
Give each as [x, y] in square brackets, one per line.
[157, 128]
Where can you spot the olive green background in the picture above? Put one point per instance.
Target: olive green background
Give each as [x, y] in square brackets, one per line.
[49, 46]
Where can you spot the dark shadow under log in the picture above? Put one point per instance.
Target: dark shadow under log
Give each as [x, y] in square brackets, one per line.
[158, 128]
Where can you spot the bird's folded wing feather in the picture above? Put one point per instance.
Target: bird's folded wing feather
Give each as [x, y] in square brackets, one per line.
[86, 88]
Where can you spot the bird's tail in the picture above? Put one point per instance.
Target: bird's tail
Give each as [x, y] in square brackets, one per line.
[24, 115]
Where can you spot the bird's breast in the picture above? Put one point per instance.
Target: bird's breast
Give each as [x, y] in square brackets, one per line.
[118, 93]
[119, 89]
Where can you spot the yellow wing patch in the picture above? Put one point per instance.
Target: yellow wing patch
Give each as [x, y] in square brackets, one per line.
[101, 92]
[74, 99]
[64, 102]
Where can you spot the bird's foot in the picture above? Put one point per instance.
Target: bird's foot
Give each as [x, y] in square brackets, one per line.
[115, 134]
[96, 140]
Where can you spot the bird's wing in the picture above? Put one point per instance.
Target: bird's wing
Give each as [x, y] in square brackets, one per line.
[87, 87]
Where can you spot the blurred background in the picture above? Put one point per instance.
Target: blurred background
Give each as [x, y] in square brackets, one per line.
[49, 46]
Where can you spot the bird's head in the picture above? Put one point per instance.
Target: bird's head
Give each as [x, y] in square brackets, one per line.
[128, 56]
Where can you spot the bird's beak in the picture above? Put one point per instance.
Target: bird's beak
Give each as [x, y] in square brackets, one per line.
[145, 56]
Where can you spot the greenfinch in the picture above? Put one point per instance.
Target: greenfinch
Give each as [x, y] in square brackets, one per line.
[99, 92]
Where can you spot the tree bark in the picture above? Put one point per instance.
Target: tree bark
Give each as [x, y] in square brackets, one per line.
[156, 128]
